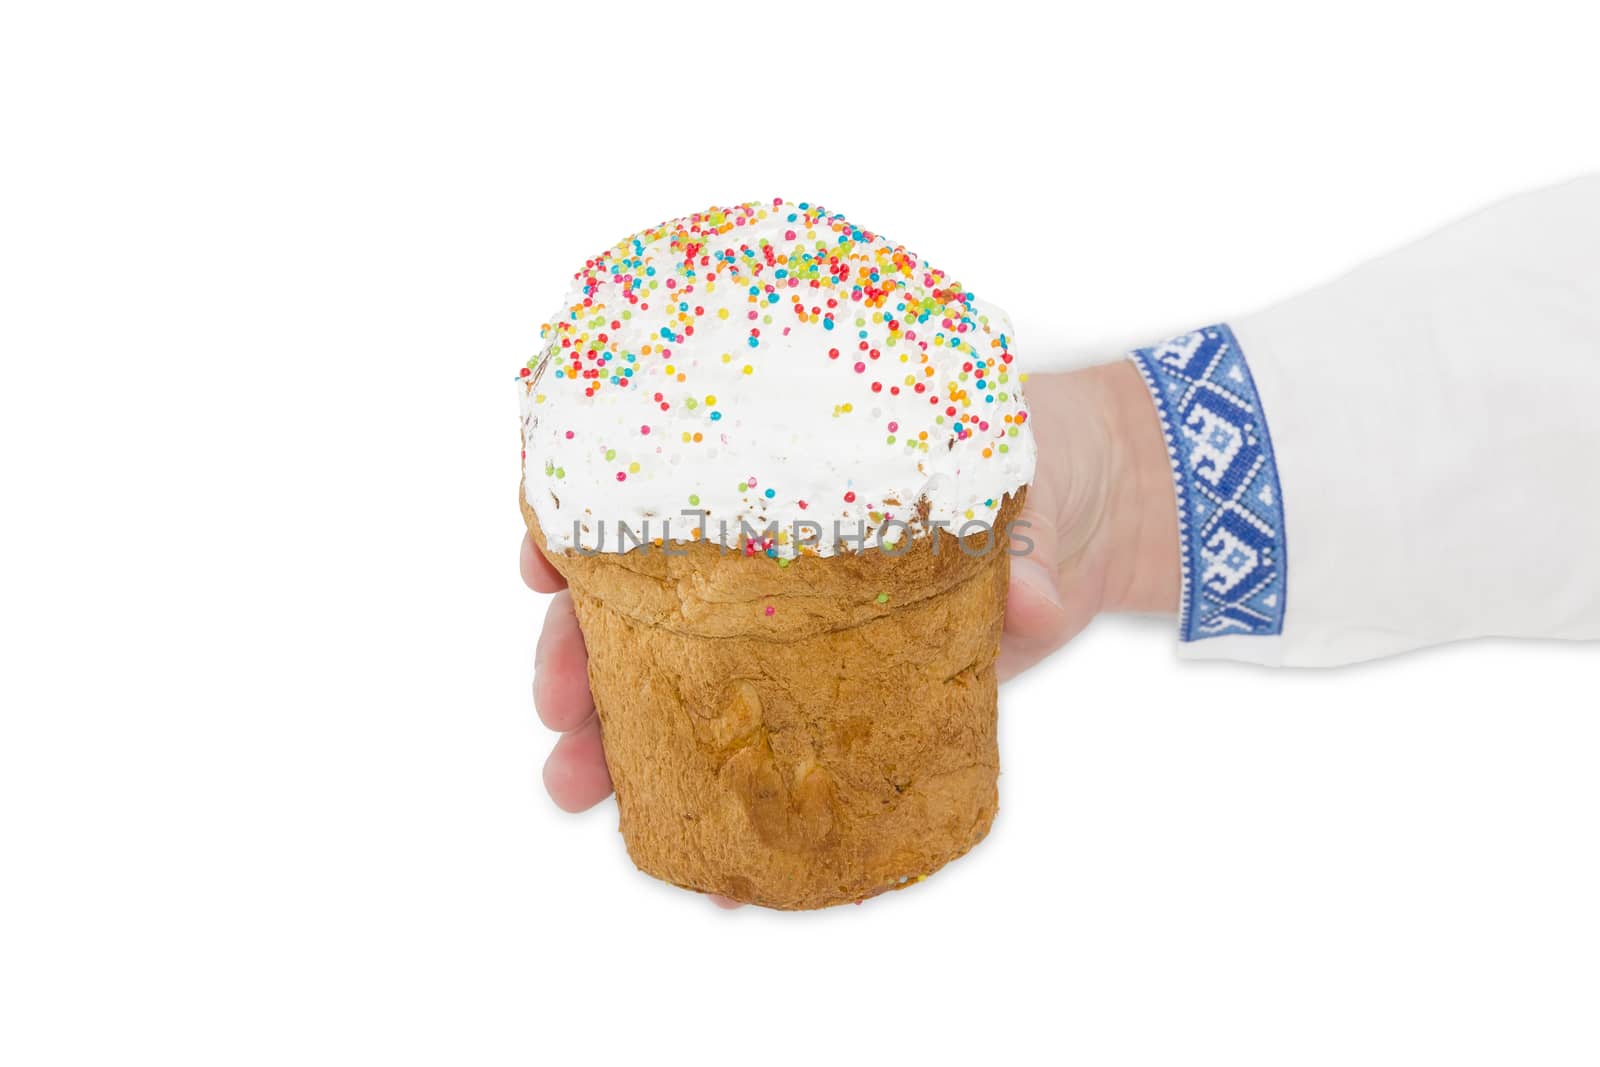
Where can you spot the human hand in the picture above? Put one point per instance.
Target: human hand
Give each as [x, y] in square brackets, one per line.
[1100, 513]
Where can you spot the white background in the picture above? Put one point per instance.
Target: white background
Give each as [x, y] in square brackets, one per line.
[269, 773]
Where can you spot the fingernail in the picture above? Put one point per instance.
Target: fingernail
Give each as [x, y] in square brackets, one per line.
[1037, 577]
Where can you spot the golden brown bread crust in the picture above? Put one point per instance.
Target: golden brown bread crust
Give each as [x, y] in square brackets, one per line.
[842, 745]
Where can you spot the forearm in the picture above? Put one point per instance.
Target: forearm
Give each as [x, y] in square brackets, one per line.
[1403, 457]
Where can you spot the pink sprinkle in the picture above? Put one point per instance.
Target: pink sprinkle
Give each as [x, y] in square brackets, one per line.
[622, 476]
[788, 235]
[893, 426]
[645, 430]
[860, 367]
[771, 610]
[569, 435]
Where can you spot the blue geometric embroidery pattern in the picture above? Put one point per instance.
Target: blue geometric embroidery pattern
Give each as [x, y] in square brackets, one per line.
[1230, 505]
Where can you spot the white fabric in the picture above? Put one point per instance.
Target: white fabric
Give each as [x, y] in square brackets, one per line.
[1436, 419]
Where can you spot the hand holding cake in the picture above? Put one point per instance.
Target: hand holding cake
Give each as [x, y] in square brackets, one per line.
[806, 514]
[782, 463]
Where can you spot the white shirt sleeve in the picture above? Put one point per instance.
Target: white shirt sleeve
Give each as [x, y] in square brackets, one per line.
[1407, 456]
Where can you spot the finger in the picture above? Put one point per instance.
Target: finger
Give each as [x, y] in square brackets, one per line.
[536, 570]
[725, 902]
[1038, 622]
[561, 669]
[575, 775]
[1034, 607]
[1040, 615]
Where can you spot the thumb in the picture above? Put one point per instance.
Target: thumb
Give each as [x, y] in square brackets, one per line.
[1041, 615]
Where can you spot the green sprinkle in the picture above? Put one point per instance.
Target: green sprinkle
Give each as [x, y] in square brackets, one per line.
[883, 598]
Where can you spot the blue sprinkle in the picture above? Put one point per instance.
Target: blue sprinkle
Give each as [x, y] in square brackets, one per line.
[754, 341]
[771, 493]
[827, 324]
[716, 416]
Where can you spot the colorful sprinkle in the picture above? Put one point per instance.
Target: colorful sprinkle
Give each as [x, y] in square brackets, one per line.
[839, 297]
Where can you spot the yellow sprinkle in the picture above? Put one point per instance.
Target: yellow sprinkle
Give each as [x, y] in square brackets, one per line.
[748, 369]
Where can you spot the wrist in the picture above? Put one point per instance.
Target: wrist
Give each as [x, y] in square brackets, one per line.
[1143, 554]
[1108, 482]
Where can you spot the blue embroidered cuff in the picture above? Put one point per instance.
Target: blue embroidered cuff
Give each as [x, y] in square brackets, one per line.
[1230, 506]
